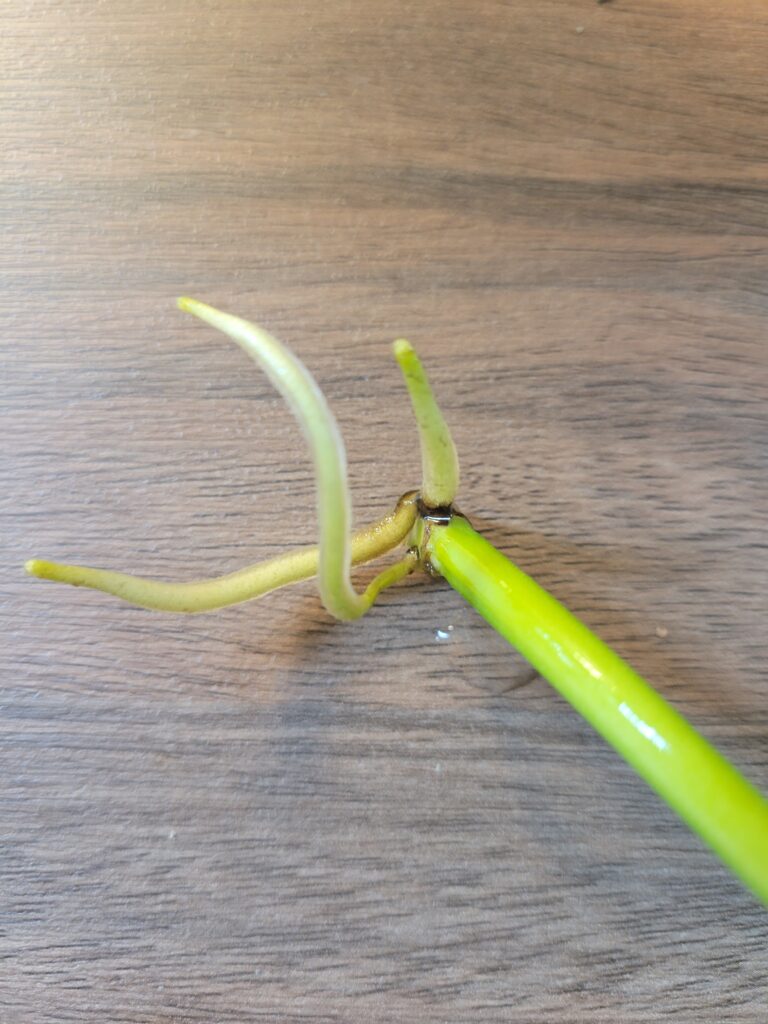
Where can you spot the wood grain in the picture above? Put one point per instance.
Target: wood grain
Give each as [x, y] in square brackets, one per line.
[259, 814]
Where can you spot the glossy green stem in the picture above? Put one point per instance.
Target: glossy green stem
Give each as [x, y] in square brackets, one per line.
[705, 790]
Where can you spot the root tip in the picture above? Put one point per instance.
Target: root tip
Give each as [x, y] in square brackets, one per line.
[37, 567]
[402, 349]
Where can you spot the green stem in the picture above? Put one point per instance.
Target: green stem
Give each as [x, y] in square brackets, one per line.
[705, 790]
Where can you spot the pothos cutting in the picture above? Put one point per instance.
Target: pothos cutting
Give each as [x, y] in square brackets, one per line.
[705, 789]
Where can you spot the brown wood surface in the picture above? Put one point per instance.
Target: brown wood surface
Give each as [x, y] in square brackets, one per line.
[259, 814]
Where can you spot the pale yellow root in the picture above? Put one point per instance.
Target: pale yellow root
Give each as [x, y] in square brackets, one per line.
[318, 424]
[245, 584]
[439, 461]
[336, 552]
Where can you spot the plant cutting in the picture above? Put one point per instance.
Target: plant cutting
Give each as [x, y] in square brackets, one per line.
[709, 794]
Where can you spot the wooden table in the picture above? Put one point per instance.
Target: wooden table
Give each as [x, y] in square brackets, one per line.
[260, 814]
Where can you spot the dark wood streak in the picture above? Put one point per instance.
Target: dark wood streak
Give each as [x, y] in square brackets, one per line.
[262, 815]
